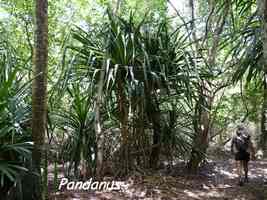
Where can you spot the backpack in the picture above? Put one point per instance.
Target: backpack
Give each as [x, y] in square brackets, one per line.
[242, 142]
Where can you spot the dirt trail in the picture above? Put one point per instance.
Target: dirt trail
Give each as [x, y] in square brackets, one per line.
[216, 181]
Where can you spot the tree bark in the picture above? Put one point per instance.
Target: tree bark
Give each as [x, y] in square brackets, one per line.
[155, 119]
[206, 92]
[202, 129]
[98, 128]
[263, 138]
[263, 11]
[201, 119]
[123, 118]
[39, 94]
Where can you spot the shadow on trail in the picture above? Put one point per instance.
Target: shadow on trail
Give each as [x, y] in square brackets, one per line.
[217, 180]
[221, 182]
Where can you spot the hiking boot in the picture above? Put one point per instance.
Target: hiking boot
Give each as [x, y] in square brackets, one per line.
[240, 182]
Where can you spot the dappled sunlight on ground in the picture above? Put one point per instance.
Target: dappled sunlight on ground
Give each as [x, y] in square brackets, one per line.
[216, 181]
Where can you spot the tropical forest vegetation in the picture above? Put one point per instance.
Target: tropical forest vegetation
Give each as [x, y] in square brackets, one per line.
[146, 93]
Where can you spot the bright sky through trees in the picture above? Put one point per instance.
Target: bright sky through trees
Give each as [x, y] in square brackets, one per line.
[180, 5]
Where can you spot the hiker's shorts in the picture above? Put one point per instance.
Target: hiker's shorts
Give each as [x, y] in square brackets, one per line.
[242, 155]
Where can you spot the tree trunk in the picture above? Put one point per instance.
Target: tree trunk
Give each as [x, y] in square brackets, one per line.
[263, 10]
[123, 117]
[118, 6]
[263, 138]
[201, 119]
[98, 129]
[202, 129]
[124, 112]
[39, 95]
[154, 116]
[206, 93]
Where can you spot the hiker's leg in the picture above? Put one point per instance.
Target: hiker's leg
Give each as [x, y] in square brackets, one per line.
[239, 169]
[245, 164]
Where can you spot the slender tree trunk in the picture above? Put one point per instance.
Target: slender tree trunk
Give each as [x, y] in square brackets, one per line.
[118, 6]
[98, 129]
[202, 129]
[154, 116]
[263, 138]
[39, 94]
[263, 11]
[123, 117]
[203, 121]
[139, 131]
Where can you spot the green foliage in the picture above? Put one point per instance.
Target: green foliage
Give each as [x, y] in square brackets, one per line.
[77, 122]
[14, 116]
[149, 59]
[155, 64]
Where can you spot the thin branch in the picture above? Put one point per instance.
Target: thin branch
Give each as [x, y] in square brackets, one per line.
[244, 102]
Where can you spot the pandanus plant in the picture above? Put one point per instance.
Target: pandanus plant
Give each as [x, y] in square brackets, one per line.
[77, 121]
[15, 141]
[137, 64]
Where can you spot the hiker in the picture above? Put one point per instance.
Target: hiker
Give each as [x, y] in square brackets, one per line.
[243, 149]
